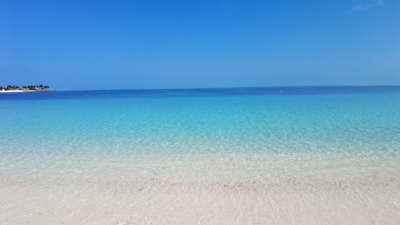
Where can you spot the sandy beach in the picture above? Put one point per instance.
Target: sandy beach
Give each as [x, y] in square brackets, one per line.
[200, 190]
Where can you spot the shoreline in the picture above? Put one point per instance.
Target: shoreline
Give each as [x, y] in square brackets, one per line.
[171, 157]
[13, 91]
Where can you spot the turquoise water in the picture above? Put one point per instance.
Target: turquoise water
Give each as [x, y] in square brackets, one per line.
[203, 121]
[308, 155]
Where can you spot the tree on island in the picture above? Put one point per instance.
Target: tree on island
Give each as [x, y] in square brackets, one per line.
[29, 87]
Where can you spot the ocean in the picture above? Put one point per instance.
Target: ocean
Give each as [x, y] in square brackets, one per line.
[306, 155]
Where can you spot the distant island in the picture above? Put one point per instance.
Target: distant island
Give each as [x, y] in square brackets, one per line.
[29, 88]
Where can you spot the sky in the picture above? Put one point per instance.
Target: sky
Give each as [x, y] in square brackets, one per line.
[148, 44]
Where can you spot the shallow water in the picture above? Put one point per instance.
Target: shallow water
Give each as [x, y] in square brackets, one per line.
[308, 155]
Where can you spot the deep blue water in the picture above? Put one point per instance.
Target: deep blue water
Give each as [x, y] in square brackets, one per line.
[203, 92]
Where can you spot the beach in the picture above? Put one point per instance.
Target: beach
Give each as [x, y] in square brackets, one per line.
[226, 156]
[224, 190]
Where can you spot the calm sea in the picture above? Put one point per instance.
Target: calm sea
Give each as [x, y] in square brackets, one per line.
[201, 121]
[306, 155]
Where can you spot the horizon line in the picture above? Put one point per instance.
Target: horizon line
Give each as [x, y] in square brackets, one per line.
[289, 86]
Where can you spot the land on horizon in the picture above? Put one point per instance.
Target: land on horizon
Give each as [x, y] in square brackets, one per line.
[29, 88]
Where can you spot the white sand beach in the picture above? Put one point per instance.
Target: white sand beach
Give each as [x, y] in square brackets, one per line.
[200, 190]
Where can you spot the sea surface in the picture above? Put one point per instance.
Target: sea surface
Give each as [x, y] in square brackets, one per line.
[306, 155]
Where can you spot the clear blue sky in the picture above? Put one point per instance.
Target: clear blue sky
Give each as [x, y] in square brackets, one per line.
[83, 45]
